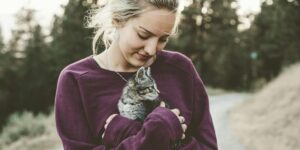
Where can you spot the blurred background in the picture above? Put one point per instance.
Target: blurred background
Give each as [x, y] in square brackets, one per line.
[246, 52]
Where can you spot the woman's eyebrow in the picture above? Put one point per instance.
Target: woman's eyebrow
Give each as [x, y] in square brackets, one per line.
[149, 32]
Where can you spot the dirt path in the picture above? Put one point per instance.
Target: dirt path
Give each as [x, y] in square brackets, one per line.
[220, 106]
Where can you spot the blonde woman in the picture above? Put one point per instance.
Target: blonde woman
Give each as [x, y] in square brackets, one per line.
[135, 33]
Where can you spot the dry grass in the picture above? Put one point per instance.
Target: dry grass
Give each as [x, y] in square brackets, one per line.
[271, 119]
[28, 132]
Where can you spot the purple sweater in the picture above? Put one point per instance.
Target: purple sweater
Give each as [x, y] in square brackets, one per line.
[87, 95]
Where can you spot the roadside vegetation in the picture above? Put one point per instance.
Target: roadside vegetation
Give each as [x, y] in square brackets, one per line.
[270, 120]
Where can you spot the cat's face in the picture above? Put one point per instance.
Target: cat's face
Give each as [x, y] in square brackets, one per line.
[145, 84]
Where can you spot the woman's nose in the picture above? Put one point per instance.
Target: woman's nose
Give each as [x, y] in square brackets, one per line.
[151, 47]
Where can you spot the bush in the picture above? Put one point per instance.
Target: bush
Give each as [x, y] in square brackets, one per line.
[22, 125]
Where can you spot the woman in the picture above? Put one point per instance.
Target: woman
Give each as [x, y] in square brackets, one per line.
[135, 33]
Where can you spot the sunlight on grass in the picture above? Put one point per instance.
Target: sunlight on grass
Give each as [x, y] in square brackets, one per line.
[26, 131]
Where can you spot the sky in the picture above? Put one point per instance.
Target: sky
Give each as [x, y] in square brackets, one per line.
[45, 9]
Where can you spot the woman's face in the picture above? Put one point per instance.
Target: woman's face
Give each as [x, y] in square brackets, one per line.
[142, 37]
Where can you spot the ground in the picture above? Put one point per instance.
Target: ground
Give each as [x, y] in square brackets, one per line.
[270, 120]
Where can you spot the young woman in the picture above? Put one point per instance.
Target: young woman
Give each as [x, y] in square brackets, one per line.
[135, 33]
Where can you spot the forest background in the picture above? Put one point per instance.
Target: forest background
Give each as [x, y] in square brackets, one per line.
[226, 55]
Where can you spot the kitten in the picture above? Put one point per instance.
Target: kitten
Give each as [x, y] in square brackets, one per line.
[140, 96]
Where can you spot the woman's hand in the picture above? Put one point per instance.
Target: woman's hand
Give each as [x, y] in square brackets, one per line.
[180, 118]
[108, 120]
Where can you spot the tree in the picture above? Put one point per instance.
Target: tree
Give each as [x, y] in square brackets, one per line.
[23, 81]
[1, 41]
[208, 34]
[71, 40]
[3, 93]
[275, 37]
[34, 91]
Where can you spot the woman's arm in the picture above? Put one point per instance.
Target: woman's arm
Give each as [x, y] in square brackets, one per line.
[201, 130]
[116, 130]
[200, 134]
[159, 128]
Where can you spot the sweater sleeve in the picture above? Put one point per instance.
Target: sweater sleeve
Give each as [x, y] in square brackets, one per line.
[158, 130]
[201, 130]
[119, 129]
[201, 134]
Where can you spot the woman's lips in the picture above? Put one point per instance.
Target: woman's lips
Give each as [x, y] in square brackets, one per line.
[143, 57]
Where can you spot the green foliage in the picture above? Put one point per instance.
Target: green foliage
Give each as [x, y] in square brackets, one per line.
[30, 65]
[23, 125]
[24, 80]
[208, 35]
[225, 57]
[274, 36]
[1, 41]
[71, 40]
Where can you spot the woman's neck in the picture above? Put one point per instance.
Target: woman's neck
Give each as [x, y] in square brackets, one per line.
[113, 60]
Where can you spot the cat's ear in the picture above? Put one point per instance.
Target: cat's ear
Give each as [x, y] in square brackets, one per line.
[140, 73]
[148, 71]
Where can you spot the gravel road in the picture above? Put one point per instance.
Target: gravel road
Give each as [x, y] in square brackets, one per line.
[219, 107]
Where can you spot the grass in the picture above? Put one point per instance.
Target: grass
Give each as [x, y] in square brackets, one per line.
[270, 120]
[26, 131]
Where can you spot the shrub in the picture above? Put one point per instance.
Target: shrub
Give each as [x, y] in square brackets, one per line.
[21, 125]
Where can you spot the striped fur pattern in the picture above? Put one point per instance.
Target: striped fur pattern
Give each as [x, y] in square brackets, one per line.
[140, 96]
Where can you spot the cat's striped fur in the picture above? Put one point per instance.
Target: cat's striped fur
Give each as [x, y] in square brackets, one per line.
[140, 96]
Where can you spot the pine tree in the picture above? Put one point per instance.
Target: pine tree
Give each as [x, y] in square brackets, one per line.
[1, 41]
[34, 91]
[208, 34]
[71, 40]
[2, 63]
[276, 35]
[24, 81]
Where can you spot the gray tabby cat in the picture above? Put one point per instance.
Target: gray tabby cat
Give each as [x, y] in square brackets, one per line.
[140, 96]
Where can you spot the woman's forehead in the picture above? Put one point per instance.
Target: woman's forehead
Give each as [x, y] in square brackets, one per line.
[158, 22]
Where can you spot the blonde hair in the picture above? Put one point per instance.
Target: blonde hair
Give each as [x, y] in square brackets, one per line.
[113, 13]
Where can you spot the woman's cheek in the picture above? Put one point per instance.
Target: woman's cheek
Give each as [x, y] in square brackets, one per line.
[136, 44]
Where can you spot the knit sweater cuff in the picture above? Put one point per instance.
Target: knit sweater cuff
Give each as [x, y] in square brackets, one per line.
[171, 121]
[119, 129]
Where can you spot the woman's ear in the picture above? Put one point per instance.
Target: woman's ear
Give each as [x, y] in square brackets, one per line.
[118, 23]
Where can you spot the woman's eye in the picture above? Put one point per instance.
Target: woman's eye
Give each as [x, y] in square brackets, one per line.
[163, 40]
[142, 37]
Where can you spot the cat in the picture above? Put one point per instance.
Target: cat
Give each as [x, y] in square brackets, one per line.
[139, 97]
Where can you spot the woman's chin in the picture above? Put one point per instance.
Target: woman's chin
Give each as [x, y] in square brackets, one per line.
[138, 64]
